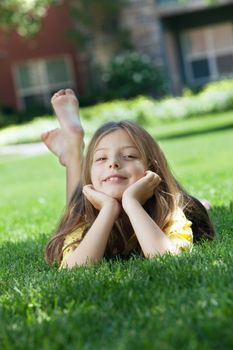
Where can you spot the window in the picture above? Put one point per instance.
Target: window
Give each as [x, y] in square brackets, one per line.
[37, 81]
[208, 53]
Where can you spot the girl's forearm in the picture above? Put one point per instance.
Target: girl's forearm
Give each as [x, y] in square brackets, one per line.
[92, 247]
[151, 238]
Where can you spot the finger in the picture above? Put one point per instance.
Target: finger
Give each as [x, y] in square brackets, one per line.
[148, 172]
[151, 172]
[156, 180]
[155, 185]
[88, 187]
[150, 176]
[88, 193]
[157, 177]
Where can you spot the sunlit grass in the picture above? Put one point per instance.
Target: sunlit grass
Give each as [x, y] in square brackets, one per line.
[183, 302]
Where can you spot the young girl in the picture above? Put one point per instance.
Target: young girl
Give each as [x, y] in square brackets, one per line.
[121, 197]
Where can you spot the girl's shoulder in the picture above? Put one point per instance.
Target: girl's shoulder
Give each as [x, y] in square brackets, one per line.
[71, 242]
[178, 215]
[179, 231]
[179, 224]
[73, 236]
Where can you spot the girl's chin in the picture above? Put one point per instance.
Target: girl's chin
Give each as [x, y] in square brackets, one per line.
[114, 194]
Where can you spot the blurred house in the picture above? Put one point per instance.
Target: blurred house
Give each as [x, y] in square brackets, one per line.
[31, 70]
[192, 40]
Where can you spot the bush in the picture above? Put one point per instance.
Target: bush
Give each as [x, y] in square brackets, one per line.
[214, 98]
[9, 116]
[131, 74]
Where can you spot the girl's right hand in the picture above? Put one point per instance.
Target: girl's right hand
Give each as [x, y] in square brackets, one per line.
[99, 199]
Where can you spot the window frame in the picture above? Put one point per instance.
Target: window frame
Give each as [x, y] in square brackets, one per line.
[211, 54]
[44, 87]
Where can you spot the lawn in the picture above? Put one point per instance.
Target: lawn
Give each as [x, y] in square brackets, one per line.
[183, 302]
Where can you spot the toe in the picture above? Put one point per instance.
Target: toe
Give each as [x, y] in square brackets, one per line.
[61, 92]
[69, 92]
[54, 96]
[44, 135]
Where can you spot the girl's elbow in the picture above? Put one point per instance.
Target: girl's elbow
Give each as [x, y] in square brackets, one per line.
[71, 263]
[168, 250]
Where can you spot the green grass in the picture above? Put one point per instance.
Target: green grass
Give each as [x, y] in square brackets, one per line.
[183, 302]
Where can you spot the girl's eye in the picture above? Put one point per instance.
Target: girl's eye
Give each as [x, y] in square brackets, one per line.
[100, 158]
[129, 156]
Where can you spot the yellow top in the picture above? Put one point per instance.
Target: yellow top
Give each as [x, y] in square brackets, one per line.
[179, 231]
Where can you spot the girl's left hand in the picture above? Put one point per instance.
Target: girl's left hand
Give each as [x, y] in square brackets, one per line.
[142, 189]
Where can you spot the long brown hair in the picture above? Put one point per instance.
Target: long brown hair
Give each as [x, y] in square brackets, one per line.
[167, 197]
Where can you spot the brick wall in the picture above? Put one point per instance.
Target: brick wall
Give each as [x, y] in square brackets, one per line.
[139, 18]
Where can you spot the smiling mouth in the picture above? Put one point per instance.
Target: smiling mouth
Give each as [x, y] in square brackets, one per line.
[115, 178]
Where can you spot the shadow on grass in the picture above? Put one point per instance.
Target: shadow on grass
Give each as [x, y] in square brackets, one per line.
[181, 134]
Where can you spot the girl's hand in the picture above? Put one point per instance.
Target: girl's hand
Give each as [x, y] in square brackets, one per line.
[99, 199]
[142, 189]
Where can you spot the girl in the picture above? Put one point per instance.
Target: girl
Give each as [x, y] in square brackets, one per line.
[121, 197]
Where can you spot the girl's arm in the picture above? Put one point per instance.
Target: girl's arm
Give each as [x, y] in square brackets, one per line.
[92, 247]
[151, 238]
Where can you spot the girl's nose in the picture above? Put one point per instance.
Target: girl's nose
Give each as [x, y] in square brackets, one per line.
[114, 164]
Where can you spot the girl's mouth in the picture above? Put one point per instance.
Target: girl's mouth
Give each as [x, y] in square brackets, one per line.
[115, 178]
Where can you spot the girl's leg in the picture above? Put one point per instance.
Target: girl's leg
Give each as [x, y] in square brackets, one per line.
[67, 142]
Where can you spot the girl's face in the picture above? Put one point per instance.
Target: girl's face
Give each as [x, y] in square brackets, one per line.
[117, 164]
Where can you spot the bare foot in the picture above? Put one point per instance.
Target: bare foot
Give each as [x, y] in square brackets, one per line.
[66, 143]
[54, 140]
[66, 107]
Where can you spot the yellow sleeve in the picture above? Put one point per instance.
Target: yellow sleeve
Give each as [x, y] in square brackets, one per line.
[69, 246]
[180, 231]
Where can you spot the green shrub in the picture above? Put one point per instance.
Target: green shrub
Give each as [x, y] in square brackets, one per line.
[131, 74]
[9, 116]
[214, 98]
